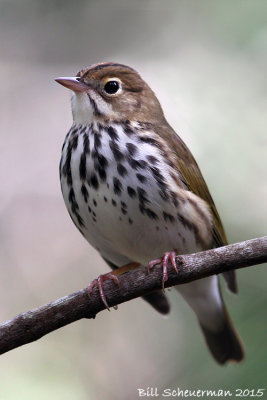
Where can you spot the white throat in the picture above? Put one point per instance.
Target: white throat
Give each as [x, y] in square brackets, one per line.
[85, 111]
[82, 111]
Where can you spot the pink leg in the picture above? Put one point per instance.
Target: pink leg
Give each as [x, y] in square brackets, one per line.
[167, 257]
[99, 283]
[110, 275]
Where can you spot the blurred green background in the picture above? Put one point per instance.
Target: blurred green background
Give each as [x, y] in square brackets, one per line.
[206, 60]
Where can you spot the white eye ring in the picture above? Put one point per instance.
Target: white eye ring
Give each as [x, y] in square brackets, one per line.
[112, 86]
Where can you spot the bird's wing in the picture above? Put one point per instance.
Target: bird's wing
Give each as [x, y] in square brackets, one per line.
[195, 182]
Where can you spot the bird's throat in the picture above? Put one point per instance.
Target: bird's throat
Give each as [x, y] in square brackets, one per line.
[89, 106]
[82, 110]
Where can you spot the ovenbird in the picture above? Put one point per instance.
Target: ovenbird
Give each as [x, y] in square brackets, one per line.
[135, 192]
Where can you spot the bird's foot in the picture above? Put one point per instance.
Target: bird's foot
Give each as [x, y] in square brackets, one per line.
[167, 257]
[98, 282]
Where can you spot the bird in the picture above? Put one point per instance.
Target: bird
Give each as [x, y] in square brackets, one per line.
[135, 192]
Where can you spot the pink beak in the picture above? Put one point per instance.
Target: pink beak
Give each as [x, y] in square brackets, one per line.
[72, 83]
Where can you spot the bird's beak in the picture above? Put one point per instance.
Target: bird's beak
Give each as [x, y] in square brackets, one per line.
[72, 83]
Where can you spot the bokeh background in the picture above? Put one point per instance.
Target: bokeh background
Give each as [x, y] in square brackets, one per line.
[206, 60]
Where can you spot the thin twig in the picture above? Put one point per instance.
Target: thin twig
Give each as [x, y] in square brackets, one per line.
[32, 325]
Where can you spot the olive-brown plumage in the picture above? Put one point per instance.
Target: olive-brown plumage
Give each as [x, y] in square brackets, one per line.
[134, 190]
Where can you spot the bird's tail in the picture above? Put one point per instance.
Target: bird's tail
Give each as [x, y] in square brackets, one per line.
[225, 344]
[204, 297]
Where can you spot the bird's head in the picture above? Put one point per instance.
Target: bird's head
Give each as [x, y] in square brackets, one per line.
[111, 91]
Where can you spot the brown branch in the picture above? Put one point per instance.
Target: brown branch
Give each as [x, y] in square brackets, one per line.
[32, 325]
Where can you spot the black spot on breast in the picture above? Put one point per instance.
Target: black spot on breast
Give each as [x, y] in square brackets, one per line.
[66, 170]
[123, 211]
[100, 164]
[72, 200]
[142, 195]
[74, 142]
[113, 202]
[118, 155]
[130, 221]
[163, 187]
[86, 143]
[121, 169]
[131, 192]
[94, 181]
[102, 173]
[80, 220]
[75, 207]
[83, 129]
[168, 217]
[151, 214]
[127, 129]
[95, 203]
[141, 178]
[136, 164]
[105, 199]
[132, 149]
[147, 211]
[85, 193]
[153, 160]
[158, 176]
[163, 194]
[117, 186]
[82, 167]
[112, 133]
[98, 143]
[102, 161]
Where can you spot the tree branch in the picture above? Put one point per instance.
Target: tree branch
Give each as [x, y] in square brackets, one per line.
[32, 325]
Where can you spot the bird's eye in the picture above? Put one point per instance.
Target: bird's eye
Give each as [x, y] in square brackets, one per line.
[111, 87]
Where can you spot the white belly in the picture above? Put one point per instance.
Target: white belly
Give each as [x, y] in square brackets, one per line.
[126, 216]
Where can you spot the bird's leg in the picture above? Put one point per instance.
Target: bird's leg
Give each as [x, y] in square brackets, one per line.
[165, 259]
[110, 275]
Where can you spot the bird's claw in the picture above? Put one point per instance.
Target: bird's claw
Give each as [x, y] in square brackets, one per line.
[99, 283]
[167, 257]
